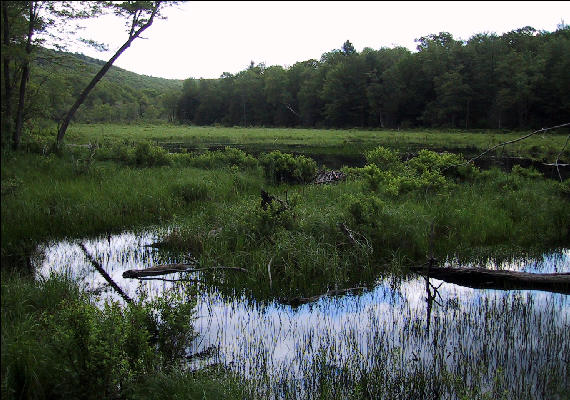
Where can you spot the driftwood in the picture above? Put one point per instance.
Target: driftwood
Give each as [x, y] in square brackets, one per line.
[297, 301]
[165, 269]
[481, 278]
[329, 177]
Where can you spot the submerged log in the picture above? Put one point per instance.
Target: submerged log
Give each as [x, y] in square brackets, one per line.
[481, 278]
[165, 269]
[157, 270]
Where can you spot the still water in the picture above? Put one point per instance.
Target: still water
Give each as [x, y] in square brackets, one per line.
[389, 340]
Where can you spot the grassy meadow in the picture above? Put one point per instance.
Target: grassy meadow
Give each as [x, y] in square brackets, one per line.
[404, 206]
[351, 142]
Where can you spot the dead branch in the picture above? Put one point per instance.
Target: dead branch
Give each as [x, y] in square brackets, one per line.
[351, 235]
[169, 280]
[510, 142]
[104, 274]
[269, 273]
[165, 269]
[558, 158]
[267, 199]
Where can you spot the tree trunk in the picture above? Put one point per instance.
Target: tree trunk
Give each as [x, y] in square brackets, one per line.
[7, 100]
[132, 36]
[17, 135]
[480, 278]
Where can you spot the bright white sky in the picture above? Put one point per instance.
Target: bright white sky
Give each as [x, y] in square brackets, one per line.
[205, 39]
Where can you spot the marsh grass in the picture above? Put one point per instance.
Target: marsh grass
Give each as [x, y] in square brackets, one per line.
[400, 211]
[323, 141]
[211, 204]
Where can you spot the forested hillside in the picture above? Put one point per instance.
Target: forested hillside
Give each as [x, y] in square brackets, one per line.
[121, 96]
[520, 79]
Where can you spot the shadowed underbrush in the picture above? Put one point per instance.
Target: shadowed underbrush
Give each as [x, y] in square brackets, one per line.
[57, 343]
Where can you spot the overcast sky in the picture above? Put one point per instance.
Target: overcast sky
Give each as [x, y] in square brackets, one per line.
[205, 39]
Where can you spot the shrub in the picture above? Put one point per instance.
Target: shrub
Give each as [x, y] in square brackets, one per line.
[526, 172]
[363, 210]
[286, 168]
[57, 343]
[383, 158]
[228, 157]
[148, 155]
[428, 170]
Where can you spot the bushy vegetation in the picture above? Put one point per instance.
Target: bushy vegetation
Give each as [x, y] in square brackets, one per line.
[428, 171]
[286, 168]
[57, 343]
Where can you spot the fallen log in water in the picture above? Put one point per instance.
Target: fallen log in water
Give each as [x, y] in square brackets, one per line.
[165, 269]
[481, 278]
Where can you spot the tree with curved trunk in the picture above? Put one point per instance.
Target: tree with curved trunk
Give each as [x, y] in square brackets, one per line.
[25, 26]
[141, 15]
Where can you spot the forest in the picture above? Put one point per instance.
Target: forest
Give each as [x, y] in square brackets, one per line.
[517, 80]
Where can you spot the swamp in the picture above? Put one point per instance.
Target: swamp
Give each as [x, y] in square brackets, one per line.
[224, 270]
[390, 223]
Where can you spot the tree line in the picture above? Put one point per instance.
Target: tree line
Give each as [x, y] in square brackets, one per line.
[517, 80]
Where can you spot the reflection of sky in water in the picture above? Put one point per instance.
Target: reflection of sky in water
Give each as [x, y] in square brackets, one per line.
[520, 331]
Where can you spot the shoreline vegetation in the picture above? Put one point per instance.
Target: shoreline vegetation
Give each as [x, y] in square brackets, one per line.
[298, 241]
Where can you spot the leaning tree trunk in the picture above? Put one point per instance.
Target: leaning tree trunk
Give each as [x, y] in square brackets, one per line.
[132, 36]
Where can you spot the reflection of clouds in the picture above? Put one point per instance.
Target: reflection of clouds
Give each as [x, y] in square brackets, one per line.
[523, 332]
[552, 262]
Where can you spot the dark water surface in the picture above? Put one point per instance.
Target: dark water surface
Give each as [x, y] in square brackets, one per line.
[402, 327]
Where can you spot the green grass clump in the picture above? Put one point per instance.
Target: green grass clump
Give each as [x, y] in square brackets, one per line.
[228, 157]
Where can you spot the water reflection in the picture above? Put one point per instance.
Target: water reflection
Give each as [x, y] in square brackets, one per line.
[398, 328]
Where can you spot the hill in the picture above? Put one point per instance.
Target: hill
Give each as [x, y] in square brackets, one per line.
[121, 96]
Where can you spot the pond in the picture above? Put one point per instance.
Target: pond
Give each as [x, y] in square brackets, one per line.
[404, 337]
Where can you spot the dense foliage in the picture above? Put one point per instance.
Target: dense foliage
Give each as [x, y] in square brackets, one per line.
[58, 343]
[516, 80]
